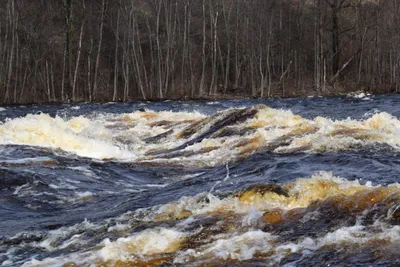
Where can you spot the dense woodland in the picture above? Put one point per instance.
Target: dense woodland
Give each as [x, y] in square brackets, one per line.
[121, 50]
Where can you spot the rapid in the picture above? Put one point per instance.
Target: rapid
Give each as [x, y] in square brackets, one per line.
[287, 182]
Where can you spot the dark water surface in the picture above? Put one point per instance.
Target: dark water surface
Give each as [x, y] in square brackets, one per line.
[59, 204]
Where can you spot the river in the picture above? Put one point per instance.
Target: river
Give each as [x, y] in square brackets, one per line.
[287, 182]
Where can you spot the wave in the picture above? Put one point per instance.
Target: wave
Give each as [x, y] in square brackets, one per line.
[194, 139]
[275, 224]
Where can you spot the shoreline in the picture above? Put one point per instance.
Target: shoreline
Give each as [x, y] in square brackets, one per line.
[209, 98]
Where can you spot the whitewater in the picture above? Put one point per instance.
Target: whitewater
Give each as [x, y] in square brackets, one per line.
[292, 182]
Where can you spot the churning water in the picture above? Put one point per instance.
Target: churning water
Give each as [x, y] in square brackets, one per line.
[294, 182]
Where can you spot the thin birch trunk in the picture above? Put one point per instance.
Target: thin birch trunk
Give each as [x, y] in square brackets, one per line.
[96, 68]
[77, 63]
[115, 92]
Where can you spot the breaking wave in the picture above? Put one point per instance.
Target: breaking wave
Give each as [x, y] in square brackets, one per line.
[194, 139]
[289, 223]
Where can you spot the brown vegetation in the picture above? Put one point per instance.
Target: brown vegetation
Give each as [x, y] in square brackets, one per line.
[120, 50]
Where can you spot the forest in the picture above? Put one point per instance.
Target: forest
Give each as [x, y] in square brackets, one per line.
[123, 50]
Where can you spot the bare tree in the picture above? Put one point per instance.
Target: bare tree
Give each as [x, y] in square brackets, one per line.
[100, 42]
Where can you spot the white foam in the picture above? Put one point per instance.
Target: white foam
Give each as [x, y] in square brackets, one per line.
[52, 240]
[361, 234]
[118, 227]
[148, 242]
[356, 234]
[78, 135]
[252, 218]
[240, 247]
[122, 136]
[359, 95]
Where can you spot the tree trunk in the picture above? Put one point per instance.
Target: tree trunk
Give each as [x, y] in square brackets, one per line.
[96, 68]
[114, 98]
[77, 63]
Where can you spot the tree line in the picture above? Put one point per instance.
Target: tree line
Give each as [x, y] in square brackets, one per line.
[121, 50]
